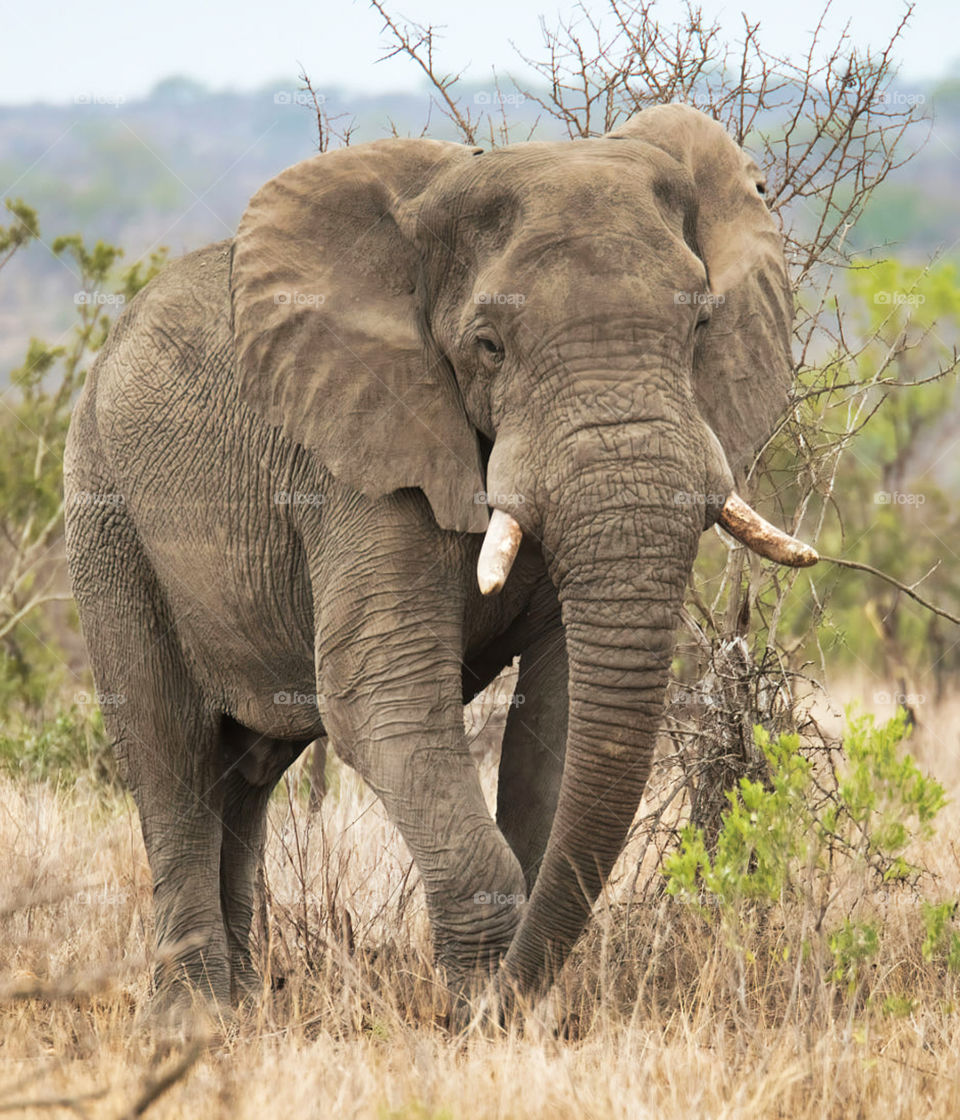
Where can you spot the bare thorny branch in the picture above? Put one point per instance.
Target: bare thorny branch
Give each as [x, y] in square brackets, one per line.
[327, 127]
[416, 42]
[907, 589]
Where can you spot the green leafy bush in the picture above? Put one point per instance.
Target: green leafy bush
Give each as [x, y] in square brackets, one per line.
[33, 429]
[871, 477]
[61, 750]
[824, 834]
[942, 941]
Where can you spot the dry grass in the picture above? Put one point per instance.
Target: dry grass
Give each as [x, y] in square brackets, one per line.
[655, 1016]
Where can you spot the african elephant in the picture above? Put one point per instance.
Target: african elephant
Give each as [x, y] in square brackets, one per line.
[281, 472]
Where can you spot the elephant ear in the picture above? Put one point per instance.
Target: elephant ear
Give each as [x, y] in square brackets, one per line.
[743, 366]
[329, 343]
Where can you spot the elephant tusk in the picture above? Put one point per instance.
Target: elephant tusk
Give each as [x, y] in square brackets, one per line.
[751, 529]
[498, 553]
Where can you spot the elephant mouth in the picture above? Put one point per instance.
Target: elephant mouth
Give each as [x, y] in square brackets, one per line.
[502, 542]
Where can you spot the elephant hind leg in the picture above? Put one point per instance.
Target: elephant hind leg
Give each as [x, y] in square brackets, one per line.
[166, 734]
[253, 766]
[170, 765]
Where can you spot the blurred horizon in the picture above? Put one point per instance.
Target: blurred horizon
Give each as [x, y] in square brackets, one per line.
[190, 84]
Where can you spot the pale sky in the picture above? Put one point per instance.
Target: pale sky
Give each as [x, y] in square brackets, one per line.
[66, 51]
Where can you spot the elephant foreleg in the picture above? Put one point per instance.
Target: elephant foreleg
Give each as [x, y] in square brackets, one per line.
[408, 744]
[531, 761]
[389, 669]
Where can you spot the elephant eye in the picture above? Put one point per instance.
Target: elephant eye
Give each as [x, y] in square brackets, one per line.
[491, 348]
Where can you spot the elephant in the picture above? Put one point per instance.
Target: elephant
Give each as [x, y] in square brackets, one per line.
[432, 409]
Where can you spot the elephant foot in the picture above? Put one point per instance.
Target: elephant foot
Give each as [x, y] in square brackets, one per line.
[492, 1005]
[475, 1004]
[180, 1013]
[191, 998]
[246, 986]
[479, 1017]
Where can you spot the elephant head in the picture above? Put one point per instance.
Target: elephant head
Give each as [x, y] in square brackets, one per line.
[594, 334]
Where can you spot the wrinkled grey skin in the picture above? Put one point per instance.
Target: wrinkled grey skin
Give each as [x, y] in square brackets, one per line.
[386, 315]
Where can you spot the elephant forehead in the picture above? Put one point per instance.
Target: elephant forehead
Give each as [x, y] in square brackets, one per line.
[537, 161]
[590, 182]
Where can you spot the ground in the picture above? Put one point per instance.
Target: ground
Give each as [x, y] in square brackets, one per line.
[656, 1016]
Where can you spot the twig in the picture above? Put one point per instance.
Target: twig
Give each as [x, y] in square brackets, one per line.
[155, 1087]
[75, 1102]
[322, 137]
[416, 51]
[325, 129]
[75, 985]
[906, 589]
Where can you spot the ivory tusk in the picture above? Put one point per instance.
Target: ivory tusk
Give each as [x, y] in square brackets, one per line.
[767, 540]
[498, 553]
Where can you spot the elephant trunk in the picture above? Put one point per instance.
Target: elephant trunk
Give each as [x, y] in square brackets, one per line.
[621, 570]
[619, 519]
